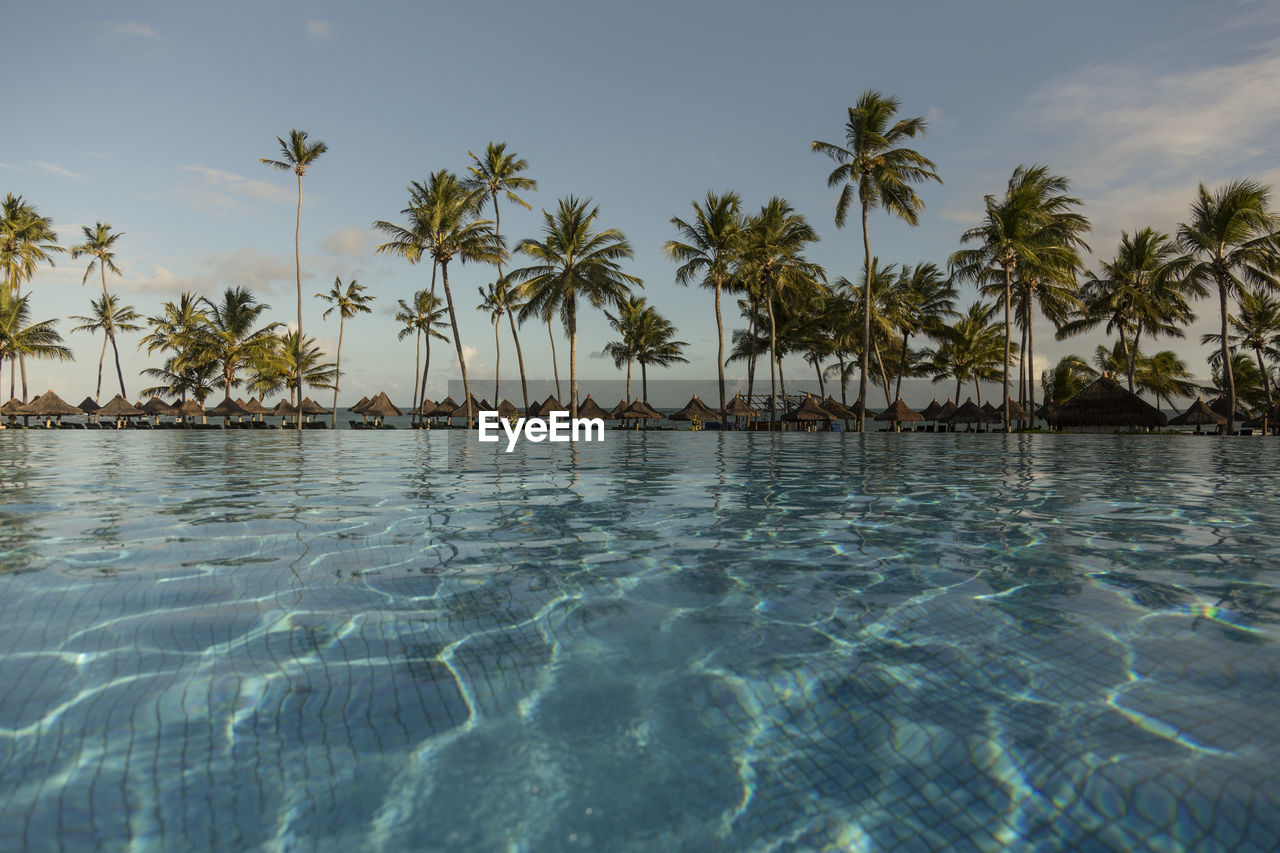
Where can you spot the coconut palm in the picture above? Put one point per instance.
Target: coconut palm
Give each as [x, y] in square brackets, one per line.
[1055, 291]
[879, 172]
[297, 155]
[275, 368]
[573, 260]
[498, 173]
[1257, 328]
[501, 298]
[21, 338]
[625, 322]
[107, 314]
[1166, 376]
[348, 301]
[178, 330]
[423, 317]
[655, 345]
[890, 310]
[196, 381]
[230, 340]
[1246, 378]
[445, 224]
[970, 350]
[773, 262]
[1066, 378]
[27, 240]
[1232, 235]
[708, 253]
[1034, 224]
[99, 244]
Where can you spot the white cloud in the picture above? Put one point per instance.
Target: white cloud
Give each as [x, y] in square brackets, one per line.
[319, 30]
[353, 242]
[130, 29]
[245, 267]
[55, 169]
[222, 190]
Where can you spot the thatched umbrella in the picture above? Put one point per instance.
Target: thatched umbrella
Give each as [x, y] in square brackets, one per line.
[507, 408]
[228, 408]
[285, 410]
[990, 409]
[616, 412]
[808, 412]
[442, 409]
[358, 408]
[970, 413]
[12, 409]
[1219, 405]
[948, 409]
[840, 410]
[1199, 414]
[930, 412]
[157, 407]
[120, 409]
[738, 408]
[310, 408]
[1016, 411]
[89, 405]
[50, 406]
[546, 407]
[189, 409]
[1105, 403]
[380, 408]
[695, 409]
[638, 411]
[589, 408]
[899, 413]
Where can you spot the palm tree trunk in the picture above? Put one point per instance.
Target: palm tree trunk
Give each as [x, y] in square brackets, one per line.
[773, 367]
[644, 381]
[628, 380]
[822, 389]
[119, 372]
[1007, 342]
[297, 263]
[22, 369]
[782, 384]
[426, 361]
[1133, 357]
[337, 376]
[844, 401]
[751, 358]
[497, 359]
[1023, 374]
[102, 357]
[902, 367]
[555, 368]
[720, 354]
[1266, 387]
[866, 316]
[457, 342]
[524, 385]
[1227, 373]
[573, 357]
[1031, 368]
[884, 377]
[417, 362]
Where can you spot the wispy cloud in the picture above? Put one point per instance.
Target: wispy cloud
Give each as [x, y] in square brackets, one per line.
[55, 169]
[243, 267]
[221, 190]
[130, 29]
[351, 242]
[320, 30]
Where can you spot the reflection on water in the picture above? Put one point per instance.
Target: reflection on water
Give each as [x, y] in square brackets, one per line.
[365, 641]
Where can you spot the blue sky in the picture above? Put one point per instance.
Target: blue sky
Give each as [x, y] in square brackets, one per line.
[152, 116]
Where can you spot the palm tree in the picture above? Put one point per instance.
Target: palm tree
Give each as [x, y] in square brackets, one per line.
[573, 260]
[1066, 379]
[709, 254]
[1257, 328]
[1033, 224]
[422, 317]
[107, 314]
[1166, 376]
[179, 330]
[27, 239]
[21, 338]
[498, 172]
[99, 243]
[626, 323]
[1142, 289]
[1054, 290]
[445, 224]
[1232, 235]
[501, 298]
[875, 167]
[773, 261]
[297, 155]
[655, 344]
[230, 341]
[890, 310]
[970, 349]
[276, 366]
[348, 302]
[927, 299]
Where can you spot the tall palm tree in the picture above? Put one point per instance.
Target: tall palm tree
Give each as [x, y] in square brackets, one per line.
[107, 314]
[626, 323]
[423, 317]
[503, 298]
[275, 368]
[1232, 235]
[708, 252]
[655, 344]
[573, 260]
[493, 302]
[348, 302]
[498, 173]
[970, 350]
[1066, 378]
[1257, 328]
[1055, 291]
[21, 338]
[230, 340]
[445, 222]
[774, 241]
[297, 155]
[879, 171]
[27, 240]
[1144, 288]
[1033, 223]
[890, 311]
[178, 329]
[1166, 376]
[99, 244]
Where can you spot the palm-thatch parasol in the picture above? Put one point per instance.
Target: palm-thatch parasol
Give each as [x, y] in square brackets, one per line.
[13, 408]
[1105, 403]
[931, 411]
[695, 409]
[616, 412]
[738, 408]
[228, 408]
[425, 406]
[311, 407]
[948, 409]
[157, 407]
[1219, 405]
[970, 413]
[89, 405]
[284, 409]
[1016, 411]
[899, 413]
[840, 410]
[589, 408]
[189, 409]
[507, 408]
[49, 405]
[809, 412]
[119, 407]
[461, 410]
[1199, 414]
[442, 409]
[546, 407]
[638, 411]
[990, 409]
[255, 407]
[381, 407]
[358, 408]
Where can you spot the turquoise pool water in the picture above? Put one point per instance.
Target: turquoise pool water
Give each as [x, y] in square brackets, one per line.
[347, 641]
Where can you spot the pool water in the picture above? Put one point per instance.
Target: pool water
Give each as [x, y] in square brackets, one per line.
[348, 641]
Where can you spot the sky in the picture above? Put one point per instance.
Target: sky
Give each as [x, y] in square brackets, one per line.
[153, 116]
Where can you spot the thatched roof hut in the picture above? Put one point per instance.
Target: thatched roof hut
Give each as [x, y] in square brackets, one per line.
[640, 410]
[189, 409]
[285, 409]
[990, 409]
[948, 409]
[695, 409]
[228, 408]
[507, 408]
[970, 413]
[13, 408]
[119, 407]
[89, 405]
[738, 408]
[1105, 403]
[589, 408]
[255, 407]
[156, 406]
[311, 407]
[840, 410]
[50, 405]
[930, 412]
[808, 410]
[425, 407]
[1016, 411]
[1198, 414]
[616, 412]
[358, 408]
[381, 407]
[899, 412]
[546, 407]
[461, 410]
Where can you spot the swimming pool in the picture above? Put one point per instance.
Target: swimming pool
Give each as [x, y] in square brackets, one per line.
[342, 641]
